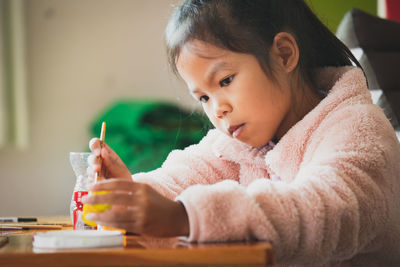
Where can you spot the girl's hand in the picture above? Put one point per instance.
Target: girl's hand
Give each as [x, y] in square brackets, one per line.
[138, 208]
[111, 163]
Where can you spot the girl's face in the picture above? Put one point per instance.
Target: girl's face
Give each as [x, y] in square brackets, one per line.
[237, 96]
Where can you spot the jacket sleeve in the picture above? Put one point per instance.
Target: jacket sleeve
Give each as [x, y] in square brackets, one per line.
[336, 204]
[196, 164]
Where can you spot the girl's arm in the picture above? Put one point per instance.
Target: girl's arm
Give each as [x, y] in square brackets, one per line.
[145, 205]
[335, 207]
[196, 164]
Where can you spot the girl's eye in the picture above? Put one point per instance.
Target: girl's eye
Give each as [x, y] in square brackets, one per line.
[226, 81]
[203, 99]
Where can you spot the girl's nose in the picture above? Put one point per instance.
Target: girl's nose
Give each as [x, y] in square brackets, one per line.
[222, 109]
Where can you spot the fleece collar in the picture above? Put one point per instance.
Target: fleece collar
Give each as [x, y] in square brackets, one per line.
[231, 149]
[348, 86]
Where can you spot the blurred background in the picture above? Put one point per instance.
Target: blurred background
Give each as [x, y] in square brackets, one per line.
[65, 63]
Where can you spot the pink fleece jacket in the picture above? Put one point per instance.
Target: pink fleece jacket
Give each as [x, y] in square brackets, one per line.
[328, 194]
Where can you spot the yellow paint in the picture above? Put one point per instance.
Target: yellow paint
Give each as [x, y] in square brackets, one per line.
[96, 208]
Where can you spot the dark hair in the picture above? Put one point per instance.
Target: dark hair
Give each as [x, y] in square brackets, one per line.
[249, 26]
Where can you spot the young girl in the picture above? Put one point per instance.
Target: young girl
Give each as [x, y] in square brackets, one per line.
[300, 156]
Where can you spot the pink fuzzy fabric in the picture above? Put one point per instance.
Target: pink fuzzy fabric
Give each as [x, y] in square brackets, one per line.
[328, 194]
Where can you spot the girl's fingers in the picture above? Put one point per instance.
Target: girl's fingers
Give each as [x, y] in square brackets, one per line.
[116, 214]
[113, 198]
[112, 163]
[116, 184]
[90, 171]
[93, 167]
[94, 146]
[111, 159]
[127, 226]
[98, 159]
[93, 160]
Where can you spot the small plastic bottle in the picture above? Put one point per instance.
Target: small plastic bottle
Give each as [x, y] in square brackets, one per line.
[76, 208]
[77, 212]
[79, 165]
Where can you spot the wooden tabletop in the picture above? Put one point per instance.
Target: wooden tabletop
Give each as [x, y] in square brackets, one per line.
[138, 251]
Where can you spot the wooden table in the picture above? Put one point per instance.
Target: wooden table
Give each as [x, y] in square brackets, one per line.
[139, 251]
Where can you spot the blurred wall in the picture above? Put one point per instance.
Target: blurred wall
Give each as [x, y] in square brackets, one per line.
[82, 55]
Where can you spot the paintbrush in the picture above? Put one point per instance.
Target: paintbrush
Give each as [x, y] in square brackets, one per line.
[102, 136]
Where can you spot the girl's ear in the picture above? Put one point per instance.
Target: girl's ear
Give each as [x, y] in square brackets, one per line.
[285, 51]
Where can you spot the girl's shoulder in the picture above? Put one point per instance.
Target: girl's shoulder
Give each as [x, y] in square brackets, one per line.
[349, 100]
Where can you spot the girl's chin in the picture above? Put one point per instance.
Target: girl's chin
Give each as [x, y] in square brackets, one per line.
[254, 143]
[248, 141]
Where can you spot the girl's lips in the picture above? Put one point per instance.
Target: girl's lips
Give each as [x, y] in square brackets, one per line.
[236, 130]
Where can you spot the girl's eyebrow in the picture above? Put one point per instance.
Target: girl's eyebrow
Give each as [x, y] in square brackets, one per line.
[214, 69]
[211, 73]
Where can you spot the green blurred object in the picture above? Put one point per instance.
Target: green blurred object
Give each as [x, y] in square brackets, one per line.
[143, 132]
[332, 12]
